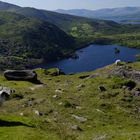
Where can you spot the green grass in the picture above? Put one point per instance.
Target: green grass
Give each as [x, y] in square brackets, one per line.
[110, 114]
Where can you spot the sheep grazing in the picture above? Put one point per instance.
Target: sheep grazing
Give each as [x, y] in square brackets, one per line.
[117, 62]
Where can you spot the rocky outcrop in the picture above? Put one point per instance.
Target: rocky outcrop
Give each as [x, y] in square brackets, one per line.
[21, 75]
[126, 72]
[5, 93]
[54, 72]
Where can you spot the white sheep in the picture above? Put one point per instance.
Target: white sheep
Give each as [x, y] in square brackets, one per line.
[117, 62]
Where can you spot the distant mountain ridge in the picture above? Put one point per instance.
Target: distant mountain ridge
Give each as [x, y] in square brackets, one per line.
[108, 13]
[65, 22]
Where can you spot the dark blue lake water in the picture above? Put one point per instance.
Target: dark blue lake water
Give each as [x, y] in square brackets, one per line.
[94, 57]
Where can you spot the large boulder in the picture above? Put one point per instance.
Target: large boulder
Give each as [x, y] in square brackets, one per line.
[21, 75]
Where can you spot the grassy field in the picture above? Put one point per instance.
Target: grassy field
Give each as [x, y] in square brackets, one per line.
[52, 111]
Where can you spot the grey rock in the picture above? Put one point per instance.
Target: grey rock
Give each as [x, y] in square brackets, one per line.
[79, 118]
[79, 87]
[93, 76]
[38, 113]
[21, 75]
[126, 72]
[21, 114]
[56, 96]
[5, 91]
[135, 93]
[76, 127]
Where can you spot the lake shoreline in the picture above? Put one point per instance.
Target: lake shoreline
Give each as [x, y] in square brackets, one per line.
[92, 57]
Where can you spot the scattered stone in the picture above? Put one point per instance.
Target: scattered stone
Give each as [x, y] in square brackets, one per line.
[124, 87]
[135, 93]
[21, 75]
[60, 103]
[56, 96]
[37, 87]
[102, 88]
[21, 114]
[93, 76]
[30, 103]
[98, 110]
[101, 137]
[76, 127]
[80, 119]
[58, 91]
[38, 113]
[80, 86]
[78, 107]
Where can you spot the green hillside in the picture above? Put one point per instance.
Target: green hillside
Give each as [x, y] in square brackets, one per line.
[86, 30]
[72, 107]
[25, 39]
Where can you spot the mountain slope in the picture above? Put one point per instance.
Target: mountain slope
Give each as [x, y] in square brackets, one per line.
[64, 21]
[7, 6]
[32, 38]
[86, 106]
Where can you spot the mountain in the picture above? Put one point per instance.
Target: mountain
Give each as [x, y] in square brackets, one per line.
[25, 39]
[112, 13]
[7, 6]
[76, 26]
[64, 21]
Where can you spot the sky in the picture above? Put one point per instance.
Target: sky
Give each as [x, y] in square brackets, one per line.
[74, 4]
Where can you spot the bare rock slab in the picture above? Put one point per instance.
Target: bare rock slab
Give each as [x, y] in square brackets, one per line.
[21, 75]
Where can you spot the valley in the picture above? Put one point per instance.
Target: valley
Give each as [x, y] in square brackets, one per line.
[31, 36]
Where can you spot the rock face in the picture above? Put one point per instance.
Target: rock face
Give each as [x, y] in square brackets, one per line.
[123, 71]
[21, 75]
[5, 92]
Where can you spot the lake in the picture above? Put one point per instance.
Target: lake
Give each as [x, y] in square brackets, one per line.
[93, 57]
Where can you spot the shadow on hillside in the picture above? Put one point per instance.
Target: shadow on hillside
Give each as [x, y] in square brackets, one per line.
[4, 123]
[37, 82]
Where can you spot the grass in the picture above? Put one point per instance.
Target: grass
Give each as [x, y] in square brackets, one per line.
[110, 114]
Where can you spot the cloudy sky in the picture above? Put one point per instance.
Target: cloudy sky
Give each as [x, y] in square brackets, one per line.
[74, 4]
